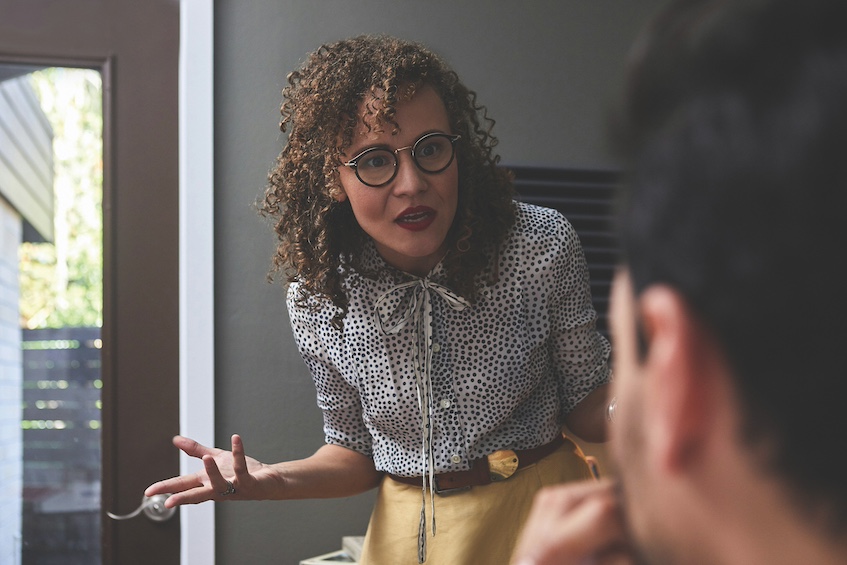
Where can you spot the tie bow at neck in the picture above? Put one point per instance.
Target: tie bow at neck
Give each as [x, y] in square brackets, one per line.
[407, 301]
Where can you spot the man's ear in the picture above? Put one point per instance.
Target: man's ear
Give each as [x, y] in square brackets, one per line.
[679, 367]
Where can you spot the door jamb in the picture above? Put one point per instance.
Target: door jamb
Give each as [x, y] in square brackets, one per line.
[196, 262]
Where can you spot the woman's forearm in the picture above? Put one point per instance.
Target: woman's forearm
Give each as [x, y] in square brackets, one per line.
[588, 419]
[333, 471]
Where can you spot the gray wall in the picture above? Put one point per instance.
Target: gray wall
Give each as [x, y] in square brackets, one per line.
[547, 71]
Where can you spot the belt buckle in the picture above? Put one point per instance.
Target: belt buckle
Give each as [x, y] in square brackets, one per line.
[446, 491]
[502, 464]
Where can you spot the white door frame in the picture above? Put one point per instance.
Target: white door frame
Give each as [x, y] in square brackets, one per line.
[196, 262]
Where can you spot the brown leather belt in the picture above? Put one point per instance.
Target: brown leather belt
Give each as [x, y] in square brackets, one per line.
[497, 466]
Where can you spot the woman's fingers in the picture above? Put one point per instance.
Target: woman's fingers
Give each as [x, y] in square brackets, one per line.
[216, 479]
[220, 486]
[197, 490]
[209, 484]
[192, 448]
[193, 496]
[174, 485]
[185, 483]
[239, 460]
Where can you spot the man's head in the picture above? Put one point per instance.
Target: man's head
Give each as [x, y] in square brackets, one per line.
[734, 126]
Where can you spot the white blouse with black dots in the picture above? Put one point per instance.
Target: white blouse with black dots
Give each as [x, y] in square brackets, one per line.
[500, 374]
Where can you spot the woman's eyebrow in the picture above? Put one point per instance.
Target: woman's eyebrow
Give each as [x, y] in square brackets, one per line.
[363, 148]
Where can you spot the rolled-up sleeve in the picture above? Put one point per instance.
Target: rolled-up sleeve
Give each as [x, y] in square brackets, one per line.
[340, 402]
[581, 355]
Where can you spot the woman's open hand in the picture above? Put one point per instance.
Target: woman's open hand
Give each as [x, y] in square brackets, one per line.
[248, 477]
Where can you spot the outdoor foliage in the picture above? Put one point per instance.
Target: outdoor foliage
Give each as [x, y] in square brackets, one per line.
[61, 283]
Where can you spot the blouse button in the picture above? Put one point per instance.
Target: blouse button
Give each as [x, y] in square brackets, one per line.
[456, 459]
[436, 347]
[446, 403]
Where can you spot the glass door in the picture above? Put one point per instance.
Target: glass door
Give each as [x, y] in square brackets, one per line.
[56, 412]
[60, 311]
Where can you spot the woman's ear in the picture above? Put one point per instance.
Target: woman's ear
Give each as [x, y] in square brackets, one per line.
[680, 366]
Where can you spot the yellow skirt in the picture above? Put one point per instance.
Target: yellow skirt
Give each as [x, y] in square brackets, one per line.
[480, 525]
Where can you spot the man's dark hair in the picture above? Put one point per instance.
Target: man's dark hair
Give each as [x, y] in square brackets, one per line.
[734, 128]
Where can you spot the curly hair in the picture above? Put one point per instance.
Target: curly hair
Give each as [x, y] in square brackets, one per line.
[319, 238]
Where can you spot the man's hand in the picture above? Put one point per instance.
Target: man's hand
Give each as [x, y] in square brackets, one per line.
[574, 524]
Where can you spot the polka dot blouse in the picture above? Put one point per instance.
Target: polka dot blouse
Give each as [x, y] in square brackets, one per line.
[417, 365]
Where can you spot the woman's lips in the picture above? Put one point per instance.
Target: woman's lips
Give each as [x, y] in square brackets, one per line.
[416, 219]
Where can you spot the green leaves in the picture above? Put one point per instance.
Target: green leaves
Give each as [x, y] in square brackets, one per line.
[61, 283]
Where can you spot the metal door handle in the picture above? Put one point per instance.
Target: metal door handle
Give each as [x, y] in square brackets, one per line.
[153, 507]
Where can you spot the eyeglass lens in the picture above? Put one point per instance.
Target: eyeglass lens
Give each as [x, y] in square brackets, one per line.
[432, 153]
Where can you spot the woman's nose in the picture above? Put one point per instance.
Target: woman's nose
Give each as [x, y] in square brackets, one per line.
[409, 179]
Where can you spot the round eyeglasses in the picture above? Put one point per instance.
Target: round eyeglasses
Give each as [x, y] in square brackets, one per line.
[377, 166]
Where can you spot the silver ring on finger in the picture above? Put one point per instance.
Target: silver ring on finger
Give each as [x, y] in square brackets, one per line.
[230, 489]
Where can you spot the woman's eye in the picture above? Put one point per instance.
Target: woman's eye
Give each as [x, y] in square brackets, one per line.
[375, 161]
[429, 149]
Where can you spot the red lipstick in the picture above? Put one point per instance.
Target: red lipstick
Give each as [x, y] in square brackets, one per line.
[415, 218]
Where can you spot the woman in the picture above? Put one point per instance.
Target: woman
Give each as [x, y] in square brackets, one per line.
[448, 329]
